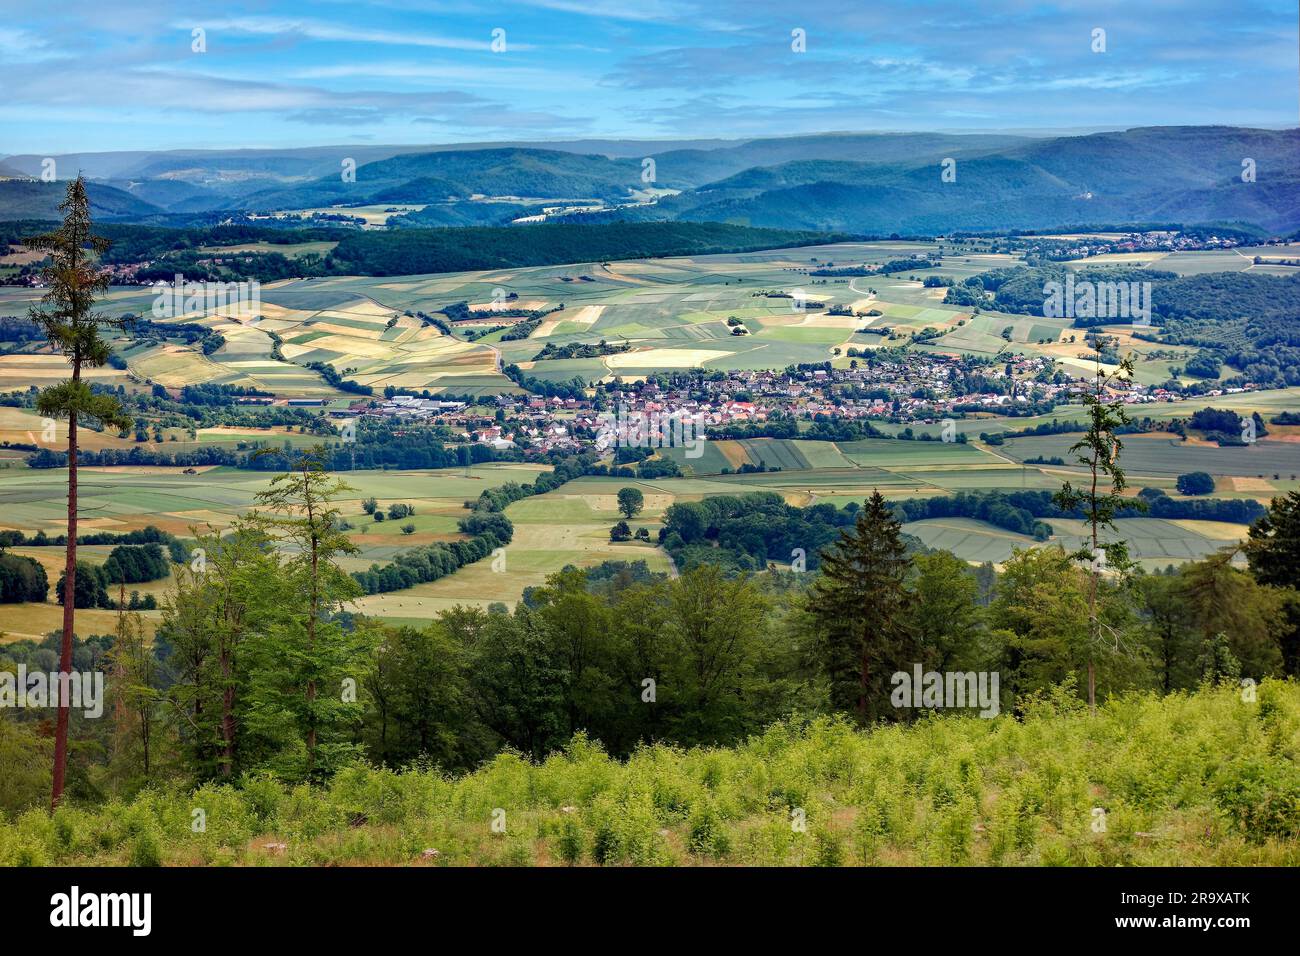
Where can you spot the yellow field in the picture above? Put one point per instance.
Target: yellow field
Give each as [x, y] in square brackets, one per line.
[25, 426]
[661, 358]
[175, 366]
[1117, 258]
[31, 622]
[21, 371]
[376, 215]
[1218, 530]
[537, 550]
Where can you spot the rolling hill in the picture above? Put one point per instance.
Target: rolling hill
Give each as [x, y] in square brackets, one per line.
[462, 174]
[879, 183]
[1105, 177]
[33, 199]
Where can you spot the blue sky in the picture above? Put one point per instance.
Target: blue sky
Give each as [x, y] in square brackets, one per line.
[83, 75]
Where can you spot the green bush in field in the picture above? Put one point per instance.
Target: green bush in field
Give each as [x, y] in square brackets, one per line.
[1207, 778]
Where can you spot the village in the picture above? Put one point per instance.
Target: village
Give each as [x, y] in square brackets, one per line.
[905, 387]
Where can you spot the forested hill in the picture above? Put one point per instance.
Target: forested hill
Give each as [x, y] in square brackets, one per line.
[453, 250]
[416, 251]
[879, 184]
[1251, 321]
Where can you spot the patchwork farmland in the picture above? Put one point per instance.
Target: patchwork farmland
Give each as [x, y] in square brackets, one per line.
[723, 312]
[670, 313]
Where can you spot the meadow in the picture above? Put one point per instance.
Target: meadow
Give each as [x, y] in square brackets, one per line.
[125, 499]
[1208, 778]
[670, 312]
[570, 525]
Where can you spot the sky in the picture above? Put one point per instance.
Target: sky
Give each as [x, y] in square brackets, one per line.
[85, 75]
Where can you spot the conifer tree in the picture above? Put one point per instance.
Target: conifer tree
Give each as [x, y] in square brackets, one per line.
[67, 319]
[1273, 550]
[858, 609]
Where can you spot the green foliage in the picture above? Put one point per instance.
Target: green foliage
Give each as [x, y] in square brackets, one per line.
[22, 579]
[858, 611]
[418, 251]
[1195, 483]
[299, 690]
[1101, 499]
[948, 791]
[630, 502]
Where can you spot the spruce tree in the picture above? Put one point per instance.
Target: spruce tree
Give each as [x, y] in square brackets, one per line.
[67, 319]
[858, 608]
[1273, 550]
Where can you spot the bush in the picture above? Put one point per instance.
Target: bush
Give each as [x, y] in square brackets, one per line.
[145, 849]
[1261, 795]
[570, 844]
[1195, 483]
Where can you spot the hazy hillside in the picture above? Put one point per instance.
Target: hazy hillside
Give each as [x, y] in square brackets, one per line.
[434, 177]
[704, 166]
[867, 183]
[1184, 174]
[32, 199]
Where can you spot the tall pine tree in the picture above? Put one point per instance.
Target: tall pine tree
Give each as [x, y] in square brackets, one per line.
[858, 610]
[67, 318]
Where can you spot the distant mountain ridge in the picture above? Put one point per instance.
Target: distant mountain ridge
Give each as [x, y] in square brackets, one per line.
[867, 183]
[1180, 174]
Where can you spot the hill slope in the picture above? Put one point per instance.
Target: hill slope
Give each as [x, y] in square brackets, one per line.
[1179, 174]
[32, 199]
[1200, 779]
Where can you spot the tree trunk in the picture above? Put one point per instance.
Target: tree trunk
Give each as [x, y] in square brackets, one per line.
[227, 717]
[311, 624]
[863, 676]
[69, 614]
[1094, 627]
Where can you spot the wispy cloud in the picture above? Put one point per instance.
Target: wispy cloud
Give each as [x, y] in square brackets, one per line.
[335, 32]
[408, 70]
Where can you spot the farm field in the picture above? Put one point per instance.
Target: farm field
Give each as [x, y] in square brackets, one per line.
[571, 524]
[1161, 454]
[1153, 543]
[125, 499]
[671, 312]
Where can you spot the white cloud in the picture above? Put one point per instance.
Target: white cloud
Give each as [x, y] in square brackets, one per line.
[335, 32]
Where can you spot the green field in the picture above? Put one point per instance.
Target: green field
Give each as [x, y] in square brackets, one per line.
[125, 499]
[671, 312]
[1153, 543]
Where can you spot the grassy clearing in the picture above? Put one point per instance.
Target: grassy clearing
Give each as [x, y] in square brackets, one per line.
[1187, 780]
